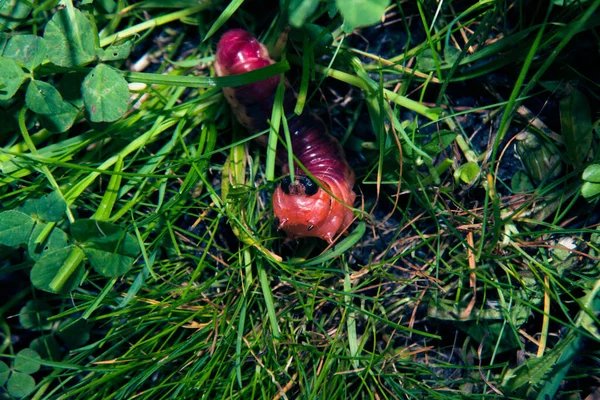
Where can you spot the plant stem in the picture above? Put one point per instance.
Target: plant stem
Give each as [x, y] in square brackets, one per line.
[162, 20]
[356, 81]
[44, 168]
[75, 257]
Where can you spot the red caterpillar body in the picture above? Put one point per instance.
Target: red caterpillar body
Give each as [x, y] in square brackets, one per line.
[302, 206]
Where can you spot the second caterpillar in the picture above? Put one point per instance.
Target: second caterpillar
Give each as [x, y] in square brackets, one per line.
[304, 207]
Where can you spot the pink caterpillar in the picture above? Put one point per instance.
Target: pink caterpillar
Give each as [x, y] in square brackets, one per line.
[302, 206]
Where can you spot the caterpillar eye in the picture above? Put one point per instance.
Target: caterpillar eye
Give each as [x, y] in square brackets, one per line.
[310, 187]
[302, 185]
[310, 228]
[285, 184]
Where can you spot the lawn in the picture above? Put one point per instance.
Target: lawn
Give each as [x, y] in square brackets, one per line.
[140, 253]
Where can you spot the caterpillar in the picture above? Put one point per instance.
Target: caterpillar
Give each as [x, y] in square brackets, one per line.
[304, 207]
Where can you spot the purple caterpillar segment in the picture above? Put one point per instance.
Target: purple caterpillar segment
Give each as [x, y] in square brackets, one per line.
[319, 152]
[239, 52]
[252, 104]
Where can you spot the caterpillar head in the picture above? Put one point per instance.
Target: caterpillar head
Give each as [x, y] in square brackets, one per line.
[302, 185]
[305, 209]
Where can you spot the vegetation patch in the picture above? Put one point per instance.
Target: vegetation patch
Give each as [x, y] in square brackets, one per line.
[140, 255]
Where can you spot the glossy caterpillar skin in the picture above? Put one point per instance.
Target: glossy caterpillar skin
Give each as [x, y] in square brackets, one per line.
[302, 206]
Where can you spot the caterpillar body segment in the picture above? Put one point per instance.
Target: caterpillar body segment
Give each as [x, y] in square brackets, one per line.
[304, 207]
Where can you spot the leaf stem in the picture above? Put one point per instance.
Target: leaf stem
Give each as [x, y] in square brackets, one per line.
[268, 297]
[33, 150]
[75, 257]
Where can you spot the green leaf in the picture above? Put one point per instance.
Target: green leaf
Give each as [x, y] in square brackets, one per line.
[591, 301]
[426, 60]
[43, 98]
[361, 12]
[500, 339]
[23, 362]
[256, 75]
[339, 248]
[12, 13]
[105, 94]
[109, 5]
[34, 315]
[439, 142]
[11, 78]
[332, 9]
[117, 51]
[592, 173]
[47, 347]
[541, 159]
[27, 50]
[49, 208]
[56, 240]
[521, 183]
[576, 125]
[451, 54]
[276, 114]
[20, 384]
[4, 373]
[66, 262]
[193, 62]
[110, 196]
[15, 228]
[74, 333]
[111, 251]
[61, 121]
[70, 88]
[224, 17]
[467, 172]
[301, 10]
[71, 38]
[528, 376]
[104, 235]
[234, 176]
[109, 264]
[592, 327]
[589, 189]
[318, 36]
[566, 3]
[138, 283]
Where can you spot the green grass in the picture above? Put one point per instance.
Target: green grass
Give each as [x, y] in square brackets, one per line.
[141, 259]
